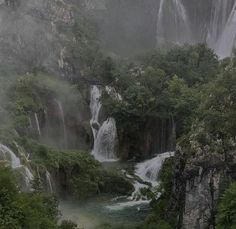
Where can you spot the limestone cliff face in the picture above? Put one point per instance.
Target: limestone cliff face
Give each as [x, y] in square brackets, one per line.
[35, 35]
[198, 185]
[202, 193]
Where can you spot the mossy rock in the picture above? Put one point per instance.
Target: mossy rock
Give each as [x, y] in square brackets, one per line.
[115, 183]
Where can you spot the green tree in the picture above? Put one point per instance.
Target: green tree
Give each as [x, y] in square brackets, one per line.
[226, 216]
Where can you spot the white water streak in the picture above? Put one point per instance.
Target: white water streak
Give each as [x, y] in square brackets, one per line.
[62, 117]
[227, 40]
[105, 135]
[37, 123]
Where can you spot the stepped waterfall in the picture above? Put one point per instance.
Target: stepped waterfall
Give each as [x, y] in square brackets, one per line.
[105, 135]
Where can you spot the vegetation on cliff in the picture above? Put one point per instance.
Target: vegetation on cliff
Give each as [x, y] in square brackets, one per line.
[182, 97]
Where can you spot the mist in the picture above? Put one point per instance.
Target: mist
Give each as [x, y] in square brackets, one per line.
[117, 114]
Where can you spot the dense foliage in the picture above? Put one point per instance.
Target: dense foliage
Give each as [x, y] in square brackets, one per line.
[226, 216]
[24, 210]
[183, 95]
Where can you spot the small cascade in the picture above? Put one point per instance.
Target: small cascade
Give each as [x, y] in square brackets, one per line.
[37, 123]
[227, 41]
[46, 123]
[7, 155]
[49, 181]
[62, 117]
[172, 23]
[105, 135]
[105, 142]
[148, 170]
[95, 107]
[28, 177]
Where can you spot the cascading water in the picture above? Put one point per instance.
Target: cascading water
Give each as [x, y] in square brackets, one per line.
[148, 170]
[28, 177]
[105, 135]
[62, 117]
[95, 107]
[7, 155]
[227, 39]
[220, 11]
[172, 15]
[105, 142]
[49, 181]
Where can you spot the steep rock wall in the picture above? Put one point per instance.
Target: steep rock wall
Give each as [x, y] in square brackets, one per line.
[199, 182]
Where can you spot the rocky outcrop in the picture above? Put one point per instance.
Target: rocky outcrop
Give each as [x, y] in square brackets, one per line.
[198, 185]
[202, 193]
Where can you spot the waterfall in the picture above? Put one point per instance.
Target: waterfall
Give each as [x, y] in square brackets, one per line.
[148, 170]
[49, 181]
[28, 177]
[172, 23]
[220, 11]
[37, 123]
[30, 122]
[227, 40]
[7, 155]
[62, 117]
[105, 135]
[105, 142]
[95, 107]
